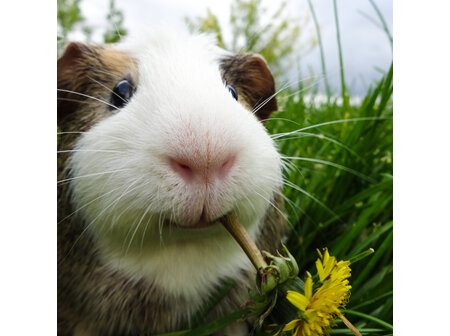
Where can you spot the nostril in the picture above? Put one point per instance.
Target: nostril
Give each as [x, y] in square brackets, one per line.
[190, 170]
[226, 167]
[182, 169]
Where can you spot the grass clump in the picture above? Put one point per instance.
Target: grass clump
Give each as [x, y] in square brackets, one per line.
[339, 190]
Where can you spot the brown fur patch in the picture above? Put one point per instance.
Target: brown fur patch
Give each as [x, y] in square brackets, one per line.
[92, 71]
[253, 81]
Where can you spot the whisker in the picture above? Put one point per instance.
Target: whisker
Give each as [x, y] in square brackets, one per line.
[287, 200]
[265, 101]
[88, 226]
[114, 203]
[324, 137]
[123, 99]
[279, 135]
[129, 229]
[122, 140]
[160, 223]
[292, 204]
[60, 133]
[143, 234]
[251, 203]
[283, 119]
[72, 100]
[85, 205]
[314, 83]
[96, 69]
[137, 227]
[270, 202]
[294, 208]
[171, 224]
[89, 150]
[287, 165]
[286, 86]
[88, 96]
[93, 174]
[115, 219]
[160, 226]
[304, 192]
[333, 164]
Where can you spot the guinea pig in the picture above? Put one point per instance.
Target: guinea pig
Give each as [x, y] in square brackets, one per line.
[158, 139]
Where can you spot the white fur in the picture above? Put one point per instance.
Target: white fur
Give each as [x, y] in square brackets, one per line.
[181, 103]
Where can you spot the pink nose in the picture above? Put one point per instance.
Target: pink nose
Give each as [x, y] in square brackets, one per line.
[192, 169]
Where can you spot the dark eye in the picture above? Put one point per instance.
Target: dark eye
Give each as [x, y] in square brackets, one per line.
[122, 93]
[232, 91]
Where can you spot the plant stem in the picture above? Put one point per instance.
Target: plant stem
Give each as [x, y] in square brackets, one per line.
[362, 255]
[239, 233]
[349, 325]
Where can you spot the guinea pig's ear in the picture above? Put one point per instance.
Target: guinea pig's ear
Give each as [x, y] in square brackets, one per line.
[70, 69]
[250, 76]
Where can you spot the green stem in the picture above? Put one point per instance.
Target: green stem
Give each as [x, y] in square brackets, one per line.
[362, 255]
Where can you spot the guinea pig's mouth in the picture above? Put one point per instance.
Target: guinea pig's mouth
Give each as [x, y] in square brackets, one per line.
[201, 224]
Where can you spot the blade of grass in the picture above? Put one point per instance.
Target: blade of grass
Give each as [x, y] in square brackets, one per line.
[383, 22]
[373, 236]
[373, 284]
[365, 219]
[369, 18]
[372, 262]
[366, 331]
[322, 54]
[369, 302]
[345, 102]
[370, 318]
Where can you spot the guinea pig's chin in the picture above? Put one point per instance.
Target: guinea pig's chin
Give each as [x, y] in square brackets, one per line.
[200, 224]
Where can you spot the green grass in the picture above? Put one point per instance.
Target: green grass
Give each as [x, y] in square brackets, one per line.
[339, 187]
[340, 191]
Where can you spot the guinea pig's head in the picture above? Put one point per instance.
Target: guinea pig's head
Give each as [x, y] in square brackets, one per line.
[171, 139]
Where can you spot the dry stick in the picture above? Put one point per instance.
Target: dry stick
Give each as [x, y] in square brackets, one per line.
[349, 325]
[239, 234]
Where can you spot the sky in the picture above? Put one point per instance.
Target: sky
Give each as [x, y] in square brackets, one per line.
[366, 49]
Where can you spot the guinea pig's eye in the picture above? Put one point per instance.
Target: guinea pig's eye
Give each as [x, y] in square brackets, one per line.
[121, 93]
[233, 92]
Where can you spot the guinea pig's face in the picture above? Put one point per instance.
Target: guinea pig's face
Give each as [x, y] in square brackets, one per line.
[174, 146]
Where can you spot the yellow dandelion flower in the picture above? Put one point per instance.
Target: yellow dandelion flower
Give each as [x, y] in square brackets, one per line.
[317, 309]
